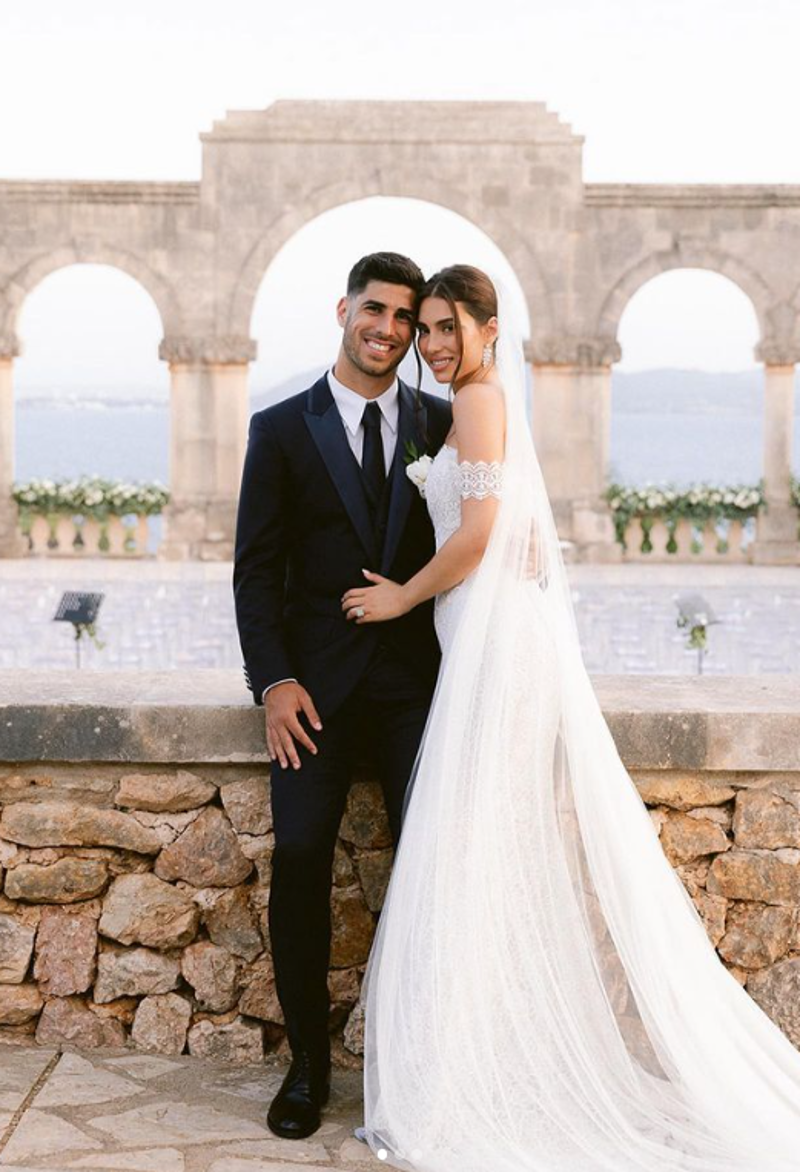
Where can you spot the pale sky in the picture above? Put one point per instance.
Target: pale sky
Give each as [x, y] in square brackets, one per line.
[662, 90]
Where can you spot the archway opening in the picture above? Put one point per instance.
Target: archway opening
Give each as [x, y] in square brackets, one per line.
[688, 395]
[91, 395]
[294, 312]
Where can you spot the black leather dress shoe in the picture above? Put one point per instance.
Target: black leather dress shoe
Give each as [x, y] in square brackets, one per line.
[295, 1110]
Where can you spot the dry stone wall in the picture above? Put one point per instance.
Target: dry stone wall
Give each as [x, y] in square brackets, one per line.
[136, 842]
[134, 905]
[134, 910]
[735, 842]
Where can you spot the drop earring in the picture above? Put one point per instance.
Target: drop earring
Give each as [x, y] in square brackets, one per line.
[487, 356]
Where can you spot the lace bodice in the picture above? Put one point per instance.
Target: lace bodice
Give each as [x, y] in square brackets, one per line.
[447, 484]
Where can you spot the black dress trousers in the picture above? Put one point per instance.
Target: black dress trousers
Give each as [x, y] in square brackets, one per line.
[382, 721]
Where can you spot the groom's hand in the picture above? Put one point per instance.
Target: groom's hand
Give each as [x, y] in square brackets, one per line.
[283, 704]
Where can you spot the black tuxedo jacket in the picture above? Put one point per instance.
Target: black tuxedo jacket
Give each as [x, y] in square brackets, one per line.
[303, 535]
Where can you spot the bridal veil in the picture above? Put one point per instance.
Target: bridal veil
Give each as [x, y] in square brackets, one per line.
[541, 994]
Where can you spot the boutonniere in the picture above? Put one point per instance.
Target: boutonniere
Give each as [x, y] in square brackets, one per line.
[417, 466]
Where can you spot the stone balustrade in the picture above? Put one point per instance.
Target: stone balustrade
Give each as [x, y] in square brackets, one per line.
[59, 535]
[135, 845]
[657, 540]
[646, 539]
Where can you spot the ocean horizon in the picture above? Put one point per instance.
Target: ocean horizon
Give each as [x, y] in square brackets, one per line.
[666, 426]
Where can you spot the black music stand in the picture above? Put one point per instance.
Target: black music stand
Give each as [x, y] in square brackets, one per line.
[79, 608]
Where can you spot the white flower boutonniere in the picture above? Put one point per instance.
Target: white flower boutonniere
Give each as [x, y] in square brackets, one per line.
[418, 465]
[417, 473]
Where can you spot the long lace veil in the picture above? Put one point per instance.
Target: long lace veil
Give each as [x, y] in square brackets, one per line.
[542, 995]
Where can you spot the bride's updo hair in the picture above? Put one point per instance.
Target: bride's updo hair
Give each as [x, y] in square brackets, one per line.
[477, 294]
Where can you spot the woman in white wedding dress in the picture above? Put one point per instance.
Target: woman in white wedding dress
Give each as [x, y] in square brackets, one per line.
[541, 995]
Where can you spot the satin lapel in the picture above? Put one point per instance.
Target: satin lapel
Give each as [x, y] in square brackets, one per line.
[327, 431]
[410, 427]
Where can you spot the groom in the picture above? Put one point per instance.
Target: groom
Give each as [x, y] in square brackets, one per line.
[325, 496]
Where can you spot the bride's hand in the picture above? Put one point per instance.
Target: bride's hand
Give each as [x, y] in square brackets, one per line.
[385, 600]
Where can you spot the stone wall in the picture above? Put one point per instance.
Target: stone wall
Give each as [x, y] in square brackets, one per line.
[135, 847]
[134, 907]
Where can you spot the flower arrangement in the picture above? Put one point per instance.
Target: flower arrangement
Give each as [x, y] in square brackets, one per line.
[695, 616]
[698, 503]
[90, 496]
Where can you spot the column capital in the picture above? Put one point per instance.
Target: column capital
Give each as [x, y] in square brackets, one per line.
[10, 346]
[211, 349]
[778, 352]
[581, 350]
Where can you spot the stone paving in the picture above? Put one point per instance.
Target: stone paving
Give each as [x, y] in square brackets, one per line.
[116, 1111]
[177, 615]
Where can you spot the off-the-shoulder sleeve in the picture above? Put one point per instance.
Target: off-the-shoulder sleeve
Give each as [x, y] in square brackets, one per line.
[480, 480]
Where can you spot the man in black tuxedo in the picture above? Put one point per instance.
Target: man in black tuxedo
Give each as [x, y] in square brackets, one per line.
[325, 496]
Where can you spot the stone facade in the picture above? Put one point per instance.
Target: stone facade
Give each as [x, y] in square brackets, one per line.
[150, 928]
[136, 863]
[579, 250]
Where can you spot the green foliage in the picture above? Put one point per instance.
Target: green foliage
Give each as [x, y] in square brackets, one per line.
[90, 496]
[698, 633]
[698, 503]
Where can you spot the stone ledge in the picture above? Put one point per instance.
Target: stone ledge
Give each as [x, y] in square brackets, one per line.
[440, 122]
[684, 195]
[723, 723]
[123, 191]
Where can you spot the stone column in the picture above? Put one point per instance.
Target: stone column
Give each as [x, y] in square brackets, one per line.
[208, 436]
[776, 536]
[571, 430]
[11, 542]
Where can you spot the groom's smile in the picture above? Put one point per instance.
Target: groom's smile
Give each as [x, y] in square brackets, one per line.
[378, 326]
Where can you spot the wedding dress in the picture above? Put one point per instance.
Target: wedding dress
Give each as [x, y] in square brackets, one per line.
[541, 994]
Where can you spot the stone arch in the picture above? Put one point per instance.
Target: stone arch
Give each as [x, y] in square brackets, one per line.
[421, 186]
[686, 256]
[28, 276]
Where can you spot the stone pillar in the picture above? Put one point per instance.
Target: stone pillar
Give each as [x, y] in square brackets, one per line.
[777, 528]
[208, 436]
[11, 542]
[571, 430]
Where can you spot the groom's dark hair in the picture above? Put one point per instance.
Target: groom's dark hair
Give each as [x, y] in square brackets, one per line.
[384, 266]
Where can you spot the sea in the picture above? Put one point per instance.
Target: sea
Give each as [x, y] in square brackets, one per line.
[667, 426]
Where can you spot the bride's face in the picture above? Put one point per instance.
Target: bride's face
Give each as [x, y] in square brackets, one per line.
[438, 341]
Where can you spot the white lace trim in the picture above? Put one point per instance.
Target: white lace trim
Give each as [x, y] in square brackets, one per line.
[480, 480]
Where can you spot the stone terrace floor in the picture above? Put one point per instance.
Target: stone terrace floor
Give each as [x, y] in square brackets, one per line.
[175, 615]
[120, 1111]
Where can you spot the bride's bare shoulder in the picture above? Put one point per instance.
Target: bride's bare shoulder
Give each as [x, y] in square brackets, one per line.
[483, 398]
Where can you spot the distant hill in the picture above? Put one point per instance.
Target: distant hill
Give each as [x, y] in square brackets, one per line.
[291, 386]
[667, 391]
[666, 425]
[688, 392]
[260, 397]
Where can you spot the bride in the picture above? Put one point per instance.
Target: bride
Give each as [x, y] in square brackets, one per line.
[541, 994]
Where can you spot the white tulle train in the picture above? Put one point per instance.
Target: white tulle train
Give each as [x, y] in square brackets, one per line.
[542, 995]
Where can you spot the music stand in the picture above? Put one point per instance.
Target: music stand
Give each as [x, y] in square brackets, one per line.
[79, 608]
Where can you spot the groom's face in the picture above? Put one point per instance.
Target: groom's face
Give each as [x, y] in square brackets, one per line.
[378, 326]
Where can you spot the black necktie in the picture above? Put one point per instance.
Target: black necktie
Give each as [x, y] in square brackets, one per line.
[373, 463]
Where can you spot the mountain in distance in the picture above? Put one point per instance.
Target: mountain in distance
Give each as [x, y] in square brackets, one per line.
[687, 392]
[669, 391]
[260, 398]
[75, 399]
[265, 397]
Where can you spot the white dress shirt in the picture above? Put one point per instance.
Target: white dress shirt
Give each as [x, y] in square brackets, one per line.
[351, 407]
